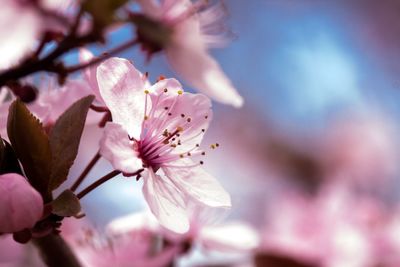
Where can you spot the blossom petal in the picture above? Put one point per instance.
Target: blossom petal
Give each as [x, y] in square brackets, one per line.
[89, 73]
[149, 7]
[122, 87]
[202, 72]
[117, 148]
[59, 100]
[21, 206]
[134, 222]
[232, 237]
[198, 184]
[165, 202]
[17, 37]
[171, 84]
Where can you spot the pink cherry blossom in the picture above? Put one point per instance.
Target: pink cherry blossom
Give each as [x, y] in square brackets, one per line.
[19, 26]
[50, 103]
[211, 233]
[21, 23]
[89, 74]
[235, 239]
[337, 228]
[363, 147]
[135, 248]
[232, 236]
[158, 130]
[21, 206]
[57, 100]
[192, 34]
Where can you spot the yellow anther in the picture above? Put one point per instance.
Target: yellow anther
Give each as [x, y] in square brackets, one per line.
[179, 129]
[146, 92]
[180, 92]
[212, 146]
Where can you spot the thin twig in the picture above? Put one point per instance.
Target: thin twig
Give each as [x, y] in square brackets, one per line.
[102, 57]
[97, 183]
[86, 171]
[99, 108]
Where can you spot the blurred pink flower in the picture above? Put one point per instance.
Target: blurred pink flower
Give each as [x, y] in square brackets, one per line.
[158, 129]
[22, 22]
[19, 28]
[229, 237]
[89, 74]
[49, 104]
[388, 242]
[232, 237]
[138, 247]
[363, 148]
[21, 206]
[57, 100]
[192, 34]
[335, 229]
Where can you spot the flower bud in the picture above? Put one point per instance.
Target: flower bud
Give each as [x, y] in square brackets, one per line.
[21, 206]
[27, 93]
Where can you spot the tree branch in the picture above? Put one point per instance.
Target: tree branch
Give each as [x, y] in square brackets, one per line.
[55, 252]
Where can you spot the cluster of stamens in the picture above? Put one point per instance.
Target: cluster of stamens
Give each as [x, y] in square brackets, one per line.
[158, 145]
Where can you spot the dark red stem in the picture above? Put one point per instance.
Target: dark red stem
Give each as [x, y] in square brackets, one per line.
[85, 171]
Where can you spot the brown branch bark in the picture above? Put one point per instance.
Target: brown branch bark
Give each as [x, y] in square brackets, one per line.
[55, 252]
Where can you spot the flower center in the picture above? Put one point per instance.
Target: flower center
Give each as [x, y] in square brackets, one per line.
[168, 133]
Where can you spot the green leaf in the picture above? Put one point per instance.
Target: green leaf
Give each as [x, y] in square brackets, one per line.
[65, 137]
[8, 160]
[66, 204]
[31, 145]
[102, 11]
